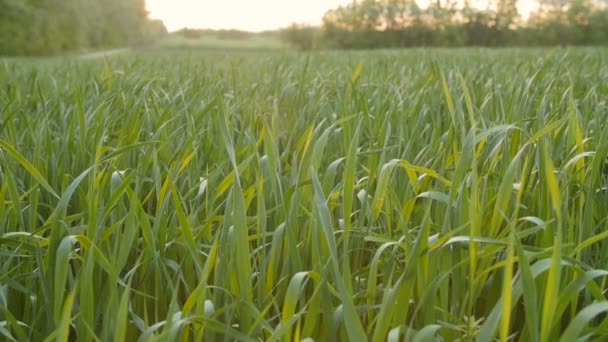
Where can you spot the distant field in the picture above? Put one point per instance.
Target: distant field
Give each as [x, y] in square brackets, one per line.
[210, 41]
[418, 195]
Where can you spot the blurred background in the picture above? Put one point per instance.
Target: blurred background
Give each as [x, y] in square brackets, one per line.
[50, 27]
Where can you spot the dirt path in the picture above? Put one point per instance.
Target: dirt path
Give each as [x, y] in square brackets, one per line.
[103, 54]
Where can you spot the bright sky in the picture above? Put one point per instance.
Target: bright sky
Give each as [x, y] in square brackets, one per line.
[252, 15]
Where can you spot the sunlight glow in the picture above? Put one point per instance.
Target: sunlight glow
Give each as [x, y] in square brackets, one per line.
[255, 15]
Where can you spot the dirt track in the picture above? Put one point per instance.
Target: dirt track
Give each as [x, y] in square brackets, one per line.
[102, 54]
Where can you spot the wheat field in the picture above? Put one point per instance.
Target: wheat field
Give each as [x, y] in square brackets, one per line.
[392, 195]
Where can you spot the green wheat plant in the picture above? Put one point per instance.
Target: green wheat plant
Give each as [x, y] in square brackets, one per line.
[420, 195]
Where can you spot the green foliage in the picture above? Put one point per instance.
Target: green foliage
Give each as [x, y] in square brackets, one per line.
[301, 37]
[57, 26]
[219, 34]
[191, 33]
[156, 29]
[402, 23]
[233, 34]
[423, 195]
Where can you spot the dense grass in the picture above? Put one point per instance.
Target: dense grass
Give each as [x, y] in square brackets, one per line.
[414, 195]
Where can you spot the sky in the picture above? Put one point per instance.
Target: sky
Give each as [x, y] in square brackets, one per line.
[251, 15]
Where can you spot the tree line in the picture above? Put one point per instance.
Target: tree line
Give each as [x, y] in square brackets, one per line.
[225, 34]
[403, 23]
[41, 27]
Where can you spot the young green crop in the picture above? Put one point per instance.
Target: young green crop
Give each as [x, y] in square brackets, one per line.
[404, 195]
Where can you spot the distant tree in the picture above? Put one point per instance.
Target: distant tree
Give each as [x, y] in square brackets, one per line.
[15, 16]
[401, 23]
[506, 14]
[233, 34]
[191, 34]
[479, 27]
[34, 27]
[156, 29]
[299, 36]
